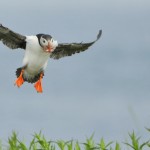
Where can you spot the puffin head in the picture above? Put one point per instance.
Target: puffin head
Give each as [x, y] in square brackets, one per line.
[47, 43]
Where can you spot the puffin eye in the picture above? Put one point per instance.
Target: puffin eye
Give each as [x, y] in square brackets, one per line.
[43, 42]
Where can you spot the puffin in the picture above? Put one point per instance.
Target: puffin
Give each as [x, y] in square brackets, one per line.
[38, 49]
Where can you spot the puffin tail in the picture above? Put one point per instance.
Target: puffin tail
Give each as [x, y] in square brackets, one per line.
[37, 79]
[28, 78]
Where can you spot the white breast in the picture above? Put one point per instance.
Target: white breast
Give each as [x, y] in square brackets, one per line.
[35, 58]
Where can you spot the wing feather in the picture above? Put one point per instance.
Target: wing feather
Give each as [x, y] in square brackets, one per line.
[11, 39]
[68, 49]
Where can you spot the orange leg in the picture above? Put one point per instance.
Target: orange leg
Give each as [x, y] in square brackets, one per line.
[38, 84]
[19, 81]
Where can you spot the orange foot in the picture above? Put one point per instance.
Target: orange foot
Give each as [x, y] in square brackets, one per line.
[38, 84]
[19, 81]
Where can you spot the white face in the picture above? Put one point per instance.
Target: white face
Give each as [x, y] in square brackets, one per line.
[48, 45]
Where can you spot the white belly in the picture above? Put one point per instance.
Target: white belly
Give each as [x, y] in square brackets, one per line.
[35, 58]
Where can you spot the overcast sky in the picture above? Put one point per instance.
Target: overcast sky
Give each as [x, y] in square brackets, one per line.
[105, 90]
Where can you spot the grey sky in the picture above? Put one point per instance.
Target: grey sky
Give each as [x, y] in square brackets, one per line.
[105, 90]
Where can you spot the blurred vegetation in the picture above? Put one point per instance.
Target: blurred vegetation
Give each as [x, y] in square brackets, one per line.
[39, 142]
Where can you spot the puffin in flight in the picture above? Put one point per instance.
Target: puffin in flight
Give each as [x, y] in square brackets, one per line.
[38, 49]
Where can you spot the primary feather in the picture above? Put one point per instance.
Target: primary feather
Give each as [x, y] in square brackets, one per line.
[11, 39]
[68, 49]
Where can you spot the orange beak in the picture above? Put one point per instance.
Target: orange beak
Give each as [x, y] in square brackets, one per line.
[49, 47]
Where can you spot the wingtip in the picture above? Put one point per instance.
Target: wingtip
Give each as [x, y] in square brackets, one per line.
[99, 35]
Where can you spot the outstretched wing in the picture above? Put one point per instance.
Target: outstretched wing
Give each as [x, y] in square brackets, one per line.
[68, 49]
[11, 39]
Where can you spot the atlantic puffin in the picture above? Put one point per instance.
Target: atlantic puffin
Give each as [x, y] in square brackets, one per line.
[38, 49]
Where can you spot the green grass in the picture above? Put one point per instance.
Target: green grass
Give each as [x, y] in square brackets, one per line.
[39, 142]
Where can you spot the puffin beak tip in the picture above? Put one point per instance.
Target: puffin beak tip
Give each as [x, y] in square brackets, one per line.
[49, 47]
